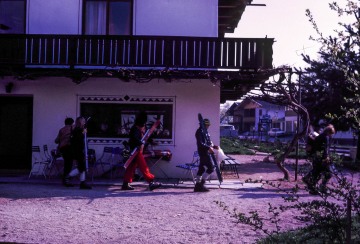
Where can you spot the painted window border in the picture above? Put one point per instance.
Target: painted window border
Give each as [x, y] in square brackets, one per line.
[135, 102]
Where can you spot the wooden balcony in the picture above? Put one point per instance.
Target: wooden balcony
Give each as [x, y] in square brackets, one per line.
[233, 61]
[48, 51]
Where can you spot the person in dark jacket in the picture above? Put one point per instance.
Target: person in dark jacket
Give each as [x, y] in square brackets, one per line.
[78, 152]
[321, 162]
[63, 140]
[137, 131]
[204, 150]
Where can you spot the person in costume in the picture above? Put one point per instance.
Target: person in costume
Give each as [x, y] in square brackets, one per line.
[321, 162]
[78, 152]
[63, 140]
[137, 132]
[206, 166]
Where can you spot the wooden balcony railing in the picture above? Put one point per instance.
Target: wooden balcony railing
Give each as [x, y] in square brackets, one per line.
[75, 51]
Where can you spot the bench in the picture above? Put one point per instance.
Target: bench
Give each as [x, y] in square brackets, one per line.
[229, 164]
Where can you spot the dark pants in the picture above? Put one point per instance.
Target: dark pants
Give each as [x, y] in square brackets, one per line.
[81, 164]
[319, 169]
[66, 153]
[205, 161]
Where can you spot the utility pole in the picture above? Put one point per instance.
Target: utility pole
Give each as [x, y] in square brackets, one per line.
[297, 130]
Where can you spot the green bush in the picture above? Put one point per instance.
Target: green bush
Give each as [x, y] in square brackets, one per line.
[250, 147]
[234, 146]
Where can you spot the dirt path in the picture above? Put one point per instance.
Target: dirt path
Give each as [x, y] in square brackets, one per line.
[40, 213]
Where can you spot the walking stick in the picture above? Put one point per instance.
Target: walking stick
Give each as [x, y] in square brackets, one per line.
[86, 146]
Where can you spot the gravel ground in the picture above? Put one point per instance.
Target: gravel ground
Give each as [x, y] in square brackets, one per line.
[50, 213]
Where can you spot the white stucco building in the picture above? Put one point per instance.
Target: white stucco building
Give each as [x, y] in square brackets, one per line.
[110, 59]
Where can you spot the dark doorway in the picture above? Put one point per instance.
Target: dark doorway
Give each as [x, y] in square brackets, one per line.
[16, 116]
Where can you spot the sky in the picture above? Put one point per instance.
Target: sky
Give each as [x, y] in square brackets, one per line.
[285, 20]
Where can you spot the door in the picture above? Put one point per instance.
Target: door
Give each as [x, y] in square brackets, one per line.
[16, 116]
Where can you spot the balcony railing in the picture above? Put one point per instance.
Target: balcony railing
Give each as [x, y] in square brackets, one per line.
[79, 51]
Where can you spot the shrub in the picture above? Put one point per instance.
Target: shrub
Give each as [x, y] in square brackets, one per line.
[329, 218]
[249, 147]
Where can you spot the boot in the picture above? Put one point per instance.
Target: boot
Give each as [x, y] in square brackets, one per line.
[66, 182]
[323, 189]
[309, 182]
[200, 187]
[203, 185]
[127, 187]
[153, 186]
[197, 187]
[85, 186]
[306, 180]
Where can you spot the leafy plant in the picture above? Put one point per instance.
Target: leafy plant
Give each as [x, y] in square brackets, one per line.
[328, 219]
[250, 147]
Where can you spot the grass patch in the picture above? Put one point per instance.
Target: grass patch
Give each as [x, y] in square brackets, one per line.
[250, 147]
[235, 146]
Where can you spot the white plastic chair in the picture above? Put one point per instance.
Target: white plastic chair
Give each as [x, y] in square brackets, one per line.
[39, 163]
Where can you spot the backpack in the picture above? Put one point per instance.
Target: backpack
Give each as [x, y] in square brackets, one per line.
[64, 138]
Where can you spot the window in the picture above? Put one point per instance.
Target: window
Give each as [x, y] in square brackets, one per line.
[108, 17]
[288, 126]
[249, 112]
[113, 116]
[12, 16]
[276, 124]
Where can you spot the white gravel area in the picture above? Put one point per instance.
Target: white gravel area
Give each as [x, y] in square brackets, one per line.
[51, 213]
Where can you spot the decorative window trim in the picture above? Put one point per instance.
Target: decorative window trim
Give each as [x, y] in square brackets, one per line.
[128, 105]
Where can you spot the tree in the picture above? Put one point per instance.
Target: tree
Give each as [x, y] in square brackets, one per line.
[338, 71]
[281, 90]
[329, 86]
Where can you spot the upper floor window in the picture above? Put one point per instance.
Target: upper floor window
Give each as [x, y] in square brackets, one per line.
[12, 16]
[108, 17]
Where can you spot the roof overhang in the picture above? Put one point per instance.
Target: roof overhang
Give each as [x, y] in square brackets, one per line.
[229, 14]
[234, 84]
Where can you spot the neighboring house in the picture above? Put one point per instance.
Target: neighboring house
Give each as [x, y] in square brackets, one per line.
[254, 115]
[228, 116]
[110, 59]
[291, 121]
[227, 130]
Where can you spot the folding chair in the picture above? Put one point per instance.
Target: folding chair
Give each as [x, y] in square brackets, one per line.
[39, 163]
[91, 161]
[46, 152]
[117, 161]
[105, 161]
[52, 160]
[191, 168]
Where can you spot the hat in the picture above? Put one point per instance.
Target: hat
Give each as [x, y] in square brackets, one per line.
[141, 119]
[206, 122]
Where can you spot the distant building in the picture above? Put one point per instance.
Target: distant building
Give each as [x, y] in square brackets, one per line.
[254, 115]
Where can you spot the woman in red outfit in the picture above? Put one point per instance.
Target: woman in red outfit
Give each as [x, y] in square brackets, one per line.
[136, 134]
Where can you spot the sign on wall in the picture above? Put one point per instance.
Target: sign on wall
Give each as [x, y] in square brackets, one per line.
[111, 117]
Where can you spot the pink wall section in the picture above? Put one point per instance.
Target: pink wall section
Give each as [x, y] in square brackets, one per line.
[56, 98]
